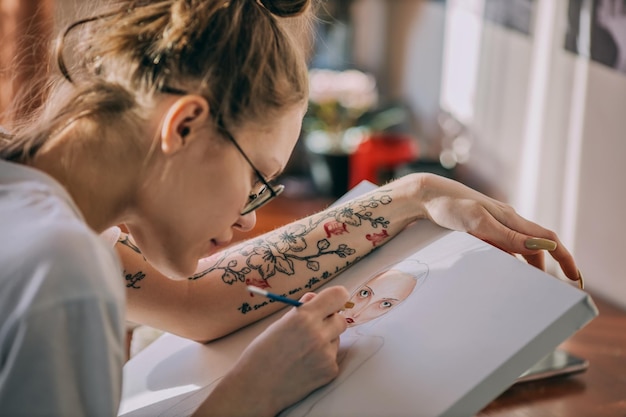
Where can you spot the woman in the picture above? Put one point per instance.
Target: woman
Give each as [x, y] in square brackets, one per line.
[176, 117]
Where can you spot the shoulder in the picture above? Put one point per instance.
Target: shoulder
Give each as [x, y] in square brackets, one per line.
[41, 226]
[79, 262]
[47, 249]
[61, 302]
[61, 260]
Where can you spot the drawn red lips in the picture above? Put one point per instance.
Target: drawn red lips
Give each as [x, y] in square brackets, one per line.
[349, 320]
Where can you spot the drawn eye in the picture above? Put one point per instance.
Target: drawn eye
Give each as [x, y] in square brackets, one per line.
[364, 293]
[386, 304]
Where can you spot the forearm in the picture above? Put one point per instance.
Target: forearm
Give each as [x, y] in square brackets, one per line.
[291, 260]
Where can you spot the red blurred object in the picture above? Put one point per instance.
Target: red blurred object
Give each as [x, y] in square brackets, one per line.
[380, 153]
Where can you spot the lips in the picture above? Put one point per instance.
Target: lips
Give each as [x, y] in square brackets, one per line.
[209, 248]
[214, 245]
[349, 320]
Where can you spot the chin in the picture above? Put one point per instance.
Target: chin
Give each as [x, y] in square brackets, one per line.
[177, 269]
[169, 259]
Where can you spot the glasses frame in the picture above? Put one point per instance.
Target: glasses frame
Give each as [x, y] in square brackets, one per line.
[262, 198]
[256, 200]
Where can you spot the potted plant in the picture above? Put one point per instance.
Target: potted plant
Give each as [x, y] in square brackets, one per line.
[332, 131]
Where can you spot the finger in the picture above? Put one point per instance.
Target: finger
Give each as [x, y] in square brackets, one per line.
[307, 297]
[529, 230]
[537, 260]
[328, 301]
[513, 237]
[503, 233]
[335, 346]
[502, 249]
[566, 262]
[335, 342]
[336, 324]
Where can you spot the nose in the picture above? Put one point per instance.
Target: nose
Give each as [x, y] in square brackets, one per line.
[246, 222]
[356, 311]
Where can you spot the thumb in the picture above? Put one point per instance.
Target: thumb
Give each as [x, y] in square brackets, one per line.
[307, 297]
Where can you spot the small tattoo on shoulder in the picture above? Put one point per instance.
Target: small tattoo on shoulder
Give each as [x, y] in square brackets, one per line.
[125, 240]
[133, 279]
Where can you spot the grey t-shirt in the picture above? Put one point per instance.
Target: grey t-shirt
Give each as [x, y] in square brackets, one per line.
[61, 304]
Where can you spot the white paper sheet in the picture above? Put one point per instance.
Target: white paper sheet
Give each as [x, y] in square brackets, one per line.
[477, 319]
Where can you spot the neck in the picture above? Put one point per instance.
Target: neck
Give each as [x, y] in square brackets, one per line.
[101, 186]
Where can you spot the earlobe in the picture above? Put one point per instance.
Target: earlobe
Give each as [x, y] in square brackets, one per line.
[185, 117]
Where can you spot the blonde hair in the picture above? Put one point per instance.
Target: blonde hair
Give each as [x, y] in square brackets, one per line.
[246, 57]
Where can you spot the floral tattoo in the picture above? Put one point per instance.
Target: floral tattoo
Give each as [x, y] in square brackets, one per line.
[280, 253]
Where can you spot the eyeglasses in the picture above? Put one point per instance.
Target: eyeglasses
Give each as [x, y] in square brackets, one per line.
[266, 193]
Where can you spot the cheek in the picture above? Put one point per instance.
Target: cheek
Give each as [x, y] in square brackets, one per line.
[224, 179]
[372, 311]
[213, 215]
[359, 304]
[227, 198]
[221, 196]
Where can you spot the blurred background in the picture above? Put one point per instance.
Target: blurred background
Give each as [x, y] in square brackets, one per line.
[521, 99]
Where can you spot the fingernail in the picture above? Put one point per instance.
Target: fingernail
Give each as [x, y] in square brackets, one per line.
[581, 281]
[348, 304]
[538, 243]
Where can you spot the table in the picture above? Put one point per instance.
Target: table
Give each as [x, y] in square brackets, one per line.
[598, 392]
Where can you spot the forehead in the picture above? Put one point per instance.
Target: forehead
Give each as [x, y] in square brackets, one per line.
[270, 142]
[391, 282]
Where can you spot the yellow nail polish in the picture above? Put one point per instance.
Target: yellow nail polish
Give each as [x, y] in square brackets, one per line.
[538, 243]
[581, 281]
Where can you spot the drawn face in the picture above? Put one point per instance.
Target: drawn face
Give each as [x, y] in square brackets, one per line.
[379, 295]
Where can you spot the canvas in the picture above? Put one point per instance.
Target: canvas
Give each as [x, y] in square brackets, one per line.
[453, 323]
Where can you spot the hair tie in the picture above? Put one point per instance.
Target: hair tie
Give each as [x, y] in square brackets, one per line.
[60, 42]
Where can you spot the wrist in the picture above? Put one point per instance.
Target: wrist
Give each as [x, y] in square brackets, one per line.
[414, 190]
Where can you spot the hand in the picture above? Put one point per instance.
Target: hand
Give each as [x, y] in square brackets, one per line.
[452, 205]
[294, 356]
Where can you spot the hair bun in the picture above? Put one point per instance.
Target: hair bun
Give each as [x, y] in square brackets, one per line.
[285, 8]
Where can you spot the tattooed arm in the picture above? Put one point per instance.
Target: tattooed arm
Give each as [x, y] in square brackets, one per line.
[301, 256]
[292, 260]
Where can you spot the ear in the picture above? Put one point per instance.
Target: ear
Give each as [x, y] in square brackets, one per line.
[183, 120]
